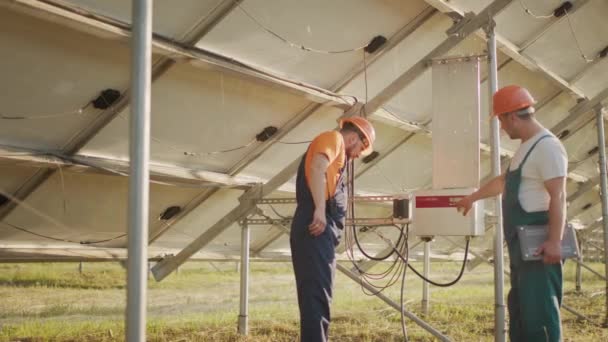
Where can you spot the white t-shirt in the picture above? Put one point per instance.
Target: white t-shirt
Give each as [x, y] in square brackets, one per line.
[548, 160]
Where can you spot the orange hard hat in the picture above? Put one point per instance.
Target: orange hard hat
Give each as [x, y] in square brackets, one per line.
[366, 128]
[510, 99]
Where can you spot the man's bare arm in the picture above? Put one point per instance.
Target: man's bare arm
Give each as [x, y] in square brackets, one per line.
[492, 188]
[318, 184]
[551, 248]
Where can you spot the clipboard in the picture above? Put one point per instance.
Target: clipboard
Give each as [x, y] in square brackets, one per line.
[532, 236]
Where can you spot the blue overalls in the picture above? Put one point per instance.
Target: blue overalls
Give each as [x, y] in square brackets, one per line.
[313, 258]
[536, 288]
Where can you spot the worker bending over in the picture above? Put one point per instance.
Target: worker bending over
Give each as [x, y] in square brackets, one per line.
[320, 217]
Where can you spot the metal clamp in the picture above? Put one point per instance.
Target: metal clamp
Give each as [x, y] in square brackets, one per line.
[459, 22]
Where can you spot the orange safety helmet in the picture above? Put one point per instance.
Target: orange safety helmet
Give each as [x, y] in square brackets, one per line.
[366, 128]
[510, 99]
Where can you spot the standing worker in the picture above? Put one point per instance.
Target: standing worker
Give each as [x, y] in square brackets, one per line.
[534, 193]
[319, 218]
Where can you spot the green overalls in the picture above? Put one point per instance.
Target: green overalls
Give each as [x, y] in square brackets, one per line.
[536, 289]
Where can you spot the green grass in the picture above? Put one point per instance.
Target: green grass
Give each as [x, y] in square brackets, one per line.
[54, 302]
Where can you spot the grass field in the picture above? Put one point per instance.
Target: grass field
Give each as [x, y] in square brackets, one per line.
[54, 302]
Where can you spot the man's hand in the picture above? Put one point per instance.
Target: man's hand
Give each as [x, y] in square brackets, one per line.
[551, 251]
[317, 227]
[464, 205]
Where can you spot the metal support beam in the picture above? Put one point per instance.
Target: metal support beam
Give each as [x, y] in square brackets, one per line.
[159, 173]
[246, 206]
[583, 188]
[601, 142]
[576, 164]
[267, 241]
[594, 226]
[468, 27]
[596, 246]
[581, 264]
[579, 261]
[396, 306]
[499, 301]
[244, 296]
[81, 253]
[513, 51]
[581, 112]
[139, 186]
[366, 265]
[426, 270]
[564, 306]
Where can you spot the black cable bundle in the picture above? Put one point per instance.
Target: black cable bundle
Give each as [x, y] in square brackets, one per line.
[400, 250]
[394, 271]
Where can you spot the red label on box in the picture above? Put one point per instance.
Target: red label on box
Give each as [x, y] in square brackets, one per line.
[437, 201]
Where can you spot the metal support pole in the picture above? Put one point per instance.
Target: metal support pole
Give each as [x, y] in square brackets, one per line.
[591, 270]
[601, 143]
[80, 267]
[426, 270]
[424, 325]
[579, 270]
[244, 301]
[579, 274]
[139, 154]
[499, 302]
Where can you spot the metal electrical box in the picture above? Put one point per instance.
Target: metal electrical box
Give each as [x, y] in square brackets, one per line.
[435, 214]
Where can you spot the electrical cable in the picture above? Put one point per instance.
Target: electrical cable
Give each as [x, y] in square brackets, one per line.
[277, 213]
[102, 241]
[395, 277]
[84, 242]
[47, 218]
[369, 256]
[294, 142]
[402, 305]
[395, 269]
[365, 82]
[578, 45]
[78, 111]
[23, 154]
[448, 284]
[295, 45]
[63, 194]
[35, 211]
[79, 161]
[219, 151]
[400, 249]
[125, 174]
[566, 12]
[530, 13]
[36, 234]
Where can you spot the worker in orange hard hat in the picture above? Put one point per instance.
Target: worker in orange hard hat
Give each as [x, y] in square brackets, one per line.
[533, 190]
[319, 218]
